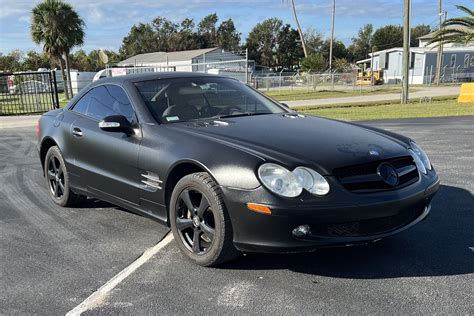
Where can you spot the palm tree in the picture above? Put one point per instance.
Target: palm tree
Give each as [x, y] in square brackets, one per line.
[456, 30]
[300, 31]
[59, 28]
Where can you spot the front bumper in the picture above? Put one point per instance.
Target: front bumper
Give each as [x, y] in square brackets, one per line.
[340, 218]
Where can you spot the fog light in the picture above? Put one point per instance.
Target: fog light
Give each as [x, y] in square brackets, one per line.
[301, 231]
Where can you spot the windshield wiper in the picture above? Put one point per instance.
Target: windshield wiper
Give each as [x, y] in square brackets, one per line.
[239, 114]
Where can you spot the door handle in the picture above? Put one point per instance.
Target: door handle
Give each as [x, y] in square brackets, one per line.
[77, 132]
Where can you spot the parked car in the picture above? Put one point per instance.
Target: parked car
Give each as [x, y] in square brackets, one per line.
[230, 170]
[32, 86]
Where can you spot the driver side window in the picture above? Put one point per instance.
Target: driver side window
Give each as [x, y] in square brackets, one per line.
[104, 101]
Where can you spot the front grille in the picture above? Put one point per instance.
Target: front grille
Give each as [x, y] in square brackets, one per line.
[364, 178]
[367, 227]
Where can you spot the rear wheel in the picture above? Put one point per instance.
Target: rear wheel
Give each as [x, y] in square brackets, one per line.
[199, 221]
[57, 179]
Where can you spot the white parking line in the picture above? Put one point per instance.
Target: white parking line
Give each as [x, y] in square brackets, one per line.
[96, 298]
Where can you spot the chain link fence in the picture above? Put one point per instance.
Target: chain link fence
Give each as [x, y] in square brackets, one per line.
[349, 81]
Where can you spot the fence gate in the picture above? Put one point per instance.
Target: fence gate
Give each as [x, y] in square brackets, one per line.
[29, 92]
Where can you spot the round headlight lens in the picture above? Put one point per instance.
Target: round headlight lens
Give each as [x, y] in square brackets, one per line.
[421, 154]
[312, 181]
[279, 180]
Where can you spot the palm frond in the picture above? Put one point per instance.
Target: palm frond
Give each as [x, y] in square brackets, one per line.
[456, 30]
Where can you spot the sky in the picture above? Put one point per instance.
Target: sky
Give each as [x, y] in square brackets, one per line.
[108, 21]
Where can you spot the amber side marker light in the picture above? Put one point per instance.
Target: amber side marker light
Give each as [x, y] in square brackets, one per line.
[259, 208]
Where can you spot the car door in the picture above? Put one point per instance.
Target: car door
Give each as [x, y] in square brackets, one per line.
[106, 161]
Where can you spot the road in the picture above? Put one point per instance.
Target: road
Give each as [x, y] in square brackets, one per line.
[423, 92]
[52, 259]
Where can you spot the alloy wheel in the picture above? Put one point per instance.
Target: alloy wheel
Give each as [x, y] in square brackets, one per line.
[195, 221]
[55, 174]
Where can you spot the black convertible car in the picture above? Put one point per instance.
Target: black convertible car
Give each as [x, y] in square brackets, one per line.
[229, 169]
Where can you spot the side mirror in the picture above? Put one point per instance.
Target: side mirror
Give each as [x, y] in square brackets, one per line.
[117, 124]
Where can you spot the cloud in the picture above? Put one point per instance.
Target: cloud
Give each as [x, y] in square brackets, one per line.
[108, 21]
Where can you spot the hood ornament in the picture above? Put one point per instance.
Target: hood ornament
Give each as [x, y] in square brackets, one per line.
[374, 153]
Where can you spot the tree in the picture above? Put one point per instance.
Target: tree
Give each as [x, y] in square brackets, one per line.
[262, 41]
[418, 31]
[341, 65]
[338, 49]
[388, 36]
[185, 38]
[314, 40]
[141, 39]
[11, 62]
[33, 61]
[289, 49]
[361, 45]
[314, 63]
[207, 31]
[456, 30]
[227, 36]
[59, 28]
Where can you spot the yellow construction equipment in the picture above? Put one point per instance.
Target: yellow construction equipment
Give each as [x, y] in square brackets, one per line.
[467, 93]
[365, 77]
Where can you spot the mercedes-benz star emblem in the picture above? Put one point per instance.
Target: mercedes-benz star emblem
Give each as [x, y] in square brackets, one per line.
[388, 174]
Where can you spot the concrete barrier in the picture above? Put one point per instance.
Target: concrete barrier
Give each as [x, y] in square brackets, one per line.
[467, 93]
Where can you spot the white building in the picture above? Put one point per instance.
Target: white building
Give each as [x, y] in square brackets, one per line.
[188, 60]
[457, 62]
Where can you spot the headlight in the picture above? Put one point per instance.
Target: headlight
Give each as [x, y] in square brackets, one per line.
[279, 180]
[290, 184]
[422, 156]
[312, 181]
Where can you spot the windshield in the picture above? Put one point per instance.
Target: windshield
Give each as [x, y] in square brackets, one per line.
[187, 99]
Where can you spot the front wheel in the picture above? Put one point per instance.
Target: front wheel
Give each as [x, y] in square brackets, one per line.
[199, 221]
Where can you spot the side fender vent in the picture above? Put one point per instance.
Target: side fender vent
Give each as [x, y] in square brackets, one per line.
[151, 182]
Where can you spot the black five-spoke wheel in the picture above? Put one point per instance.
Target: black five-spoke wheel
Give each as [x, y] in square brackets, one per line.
[195, 221]
[55, 174]
[57, 179]
[199, 220]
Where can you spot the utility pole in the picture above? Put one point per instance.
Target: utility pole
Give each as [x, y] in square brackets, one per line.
[372, 82]
[439, 56]
[332, 33]
[406, 50]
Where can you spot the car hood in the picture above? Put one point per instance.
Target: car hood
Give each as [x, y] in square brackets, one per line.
[294, 140]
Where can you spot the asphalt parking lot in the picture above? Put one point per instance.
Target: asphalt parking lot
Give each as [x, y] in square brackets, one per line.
[52, 259]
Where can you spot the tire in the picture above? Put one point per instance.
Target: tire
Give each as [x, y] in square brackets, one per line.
[57, 179]
[207, 220]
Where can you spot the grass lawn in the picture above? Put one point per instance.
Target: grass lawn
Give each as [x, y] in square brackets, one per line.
[292, 95]
[391, 110]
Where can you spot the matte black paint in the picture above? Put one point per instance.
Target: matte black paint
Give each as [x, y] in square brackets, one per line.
[109, 166]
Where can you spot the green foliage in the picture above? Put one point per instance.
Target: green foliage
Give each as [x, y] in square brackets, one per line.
[275, 45]
[207, 30]
[341, 65]
[262, 42]
[289, 50]
[228, 37]
[314, 40]
[56, 26]
[388, 36]
[338, 49]
[166, 36]
[11, 62]
[418, 31]
[457, 30]
[33, 61]
[361, 45]
[314, 63]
